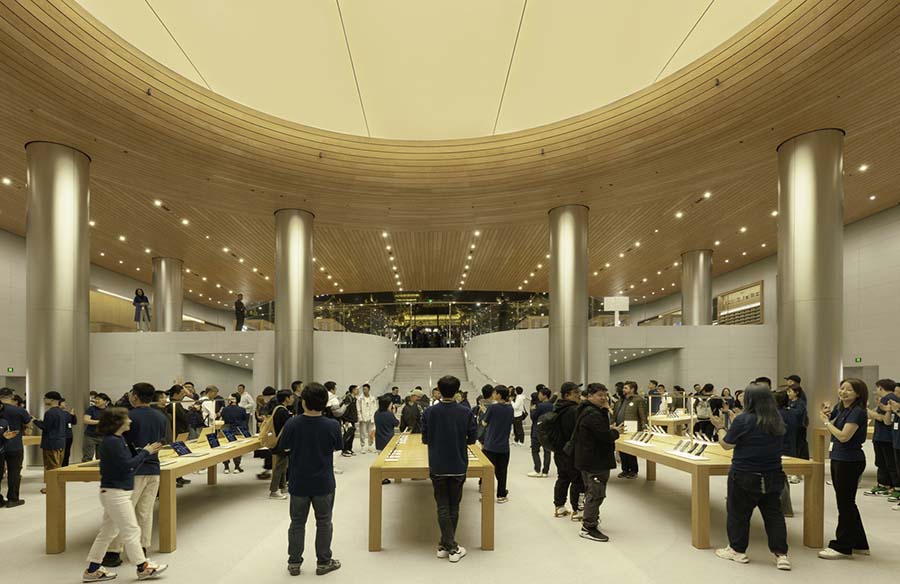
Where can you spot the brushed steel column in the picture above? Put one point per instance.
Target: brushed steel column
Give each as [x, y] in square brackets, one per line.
[568, 295]
[57, 278]
[696, 287]
[168, 294]
[293, 296]
[811, 263]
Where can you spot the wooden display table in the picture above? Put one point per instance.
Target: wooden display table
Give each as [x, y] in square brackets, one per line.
[171, 468]
[31, 440]
[413, 464]
[673, 425]
[718, 464]
[822, 438]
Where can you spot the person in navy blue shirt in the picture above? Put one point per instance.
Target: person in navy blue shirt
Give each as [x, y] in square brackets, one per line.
[447, 429]
[847, 425]
[311, 440]
[53, 432]
[118, 465]
[497, 421]
[148, 425]
[888, 480]
[91, 439]
[543, 406]
[793, 423]
[385, 422]
[235, 417]
[756, 478]
[12, 457]
[71, 422]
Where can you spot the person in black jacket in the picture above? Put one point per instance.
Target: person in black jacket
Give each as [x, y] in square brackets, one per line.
[281, 414]
[349, 420]
[411, 415]
[568, 479]
[595, 446]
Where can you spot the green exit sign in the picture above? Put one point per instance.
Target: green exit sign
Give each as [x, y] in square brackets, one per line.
[9, 369]
[858, 359]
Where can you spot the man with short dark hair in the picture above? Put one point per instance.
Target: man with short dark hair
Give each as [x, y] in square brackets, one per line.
[53, 432]
[311, 439]
[543, 406]
[12, 456]
[765, 380]
[297, 389]
[631, 408]
[447, 429]
[498, 421]
[91, 440]
[281, 413]
[793, 381]
[568, 479]
[240, 313]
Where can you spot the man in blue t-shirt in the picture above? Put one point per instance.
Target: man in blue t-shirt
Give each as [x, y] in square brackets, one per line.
[311, 441]
[53, 432]
[148, 426]
[447, 429]
[544, 406]
[888, 478]
[91, 444]
[17, 419]
[497, 422]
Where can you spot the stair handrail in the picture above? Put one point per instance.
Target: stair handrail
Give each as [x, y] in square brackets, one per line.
[383, 369]
[477, 368]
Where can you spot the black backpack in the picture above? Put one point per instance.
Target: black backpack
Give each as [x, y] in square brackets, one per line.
[549, 431]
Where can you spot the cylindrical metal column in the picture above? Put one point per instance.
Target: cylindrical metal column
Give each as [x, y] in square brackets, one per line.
[168, 294]
[293, 296]
[568, 295]
[57, 270]
[696, 287]
[811, 263]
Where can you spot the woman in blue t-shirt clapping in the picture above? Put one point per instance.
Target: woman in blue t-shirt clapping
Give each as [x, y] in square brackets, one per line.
[847, 425]
[756, 478]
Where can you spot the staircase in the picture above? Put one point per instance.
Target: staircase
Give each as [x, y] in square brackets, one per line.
[412, 368]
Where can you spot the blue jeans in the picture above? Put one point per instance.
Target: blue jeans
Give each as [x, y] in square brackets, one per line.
[322, 507]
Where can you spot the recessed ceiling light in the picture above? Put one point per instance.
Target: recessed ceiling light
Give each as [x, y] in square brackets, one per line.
[524, 281]
[743, 230]
[679, 215]
[540, 266]
[632, 286]
[762, 245]
[472, 246]
[743, 253]
[92, 223]
[621, 255]
[394, 268]
[191, 290]
[321, 269]
[596, 273]
[157, 202]
[341, 290]
[637, 244]
[548, 256]
[401, 289]
[477, 233]
[400, 284]
[384, 234]
[872, 197]
[467, 266]
[186, 222]
[675, 264]
[7, 181]
[621, 292]
[659, 272]
[218, 285]
[460, 287]
[146, 250]
[469, 257]
[606, 264]
[203, 278]
[225, 249]
[465, 275]
[520, 287]
[643, 279]
[231, 291]
[707, 195]
[335, 284]
[121, 238]
[531, 274]
[461, 282]
[314, 259]
[774, 213]
[727, 261]
[328, 276]
[137, 269]
[863, 167]
[717, 242]
[121, 262]
[255, 269]
[267, 277]
[102, 254]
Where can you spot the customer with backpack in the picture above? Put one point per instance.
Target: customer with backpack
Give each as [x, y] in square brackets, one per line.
[594, 448]
[269, 434]
[557, 428]
[544, 406]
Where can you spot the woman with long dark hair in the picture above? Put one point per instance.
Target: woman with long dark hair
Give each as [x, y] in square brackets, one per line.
[846, 423]
[756, 479]
[141, 310]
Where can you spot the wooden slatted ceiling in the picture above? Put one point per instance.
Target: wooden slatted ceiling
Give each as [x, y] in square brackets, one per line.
[713, 126]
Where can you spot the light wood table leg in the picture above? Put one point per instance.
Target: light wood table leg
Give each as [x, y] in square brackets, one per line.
[487, 509]
[700, 508]
[820, 445]
[168, 512]
[673, 429]
[651, 471]
[212, 476]
[375, 479]
[814, 507]
[56, 514]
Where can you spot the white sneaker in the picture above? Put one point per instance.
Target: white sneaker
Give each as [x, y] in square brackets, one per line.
[896, 507]
[501, 500]
[151, 570]
[577, 515]
[561, 511]
[442, 553]
[227, 471]
[101, 575]
[545, 474]
[783, 563]
[830, 554]
[284, 492]
[533, 474]
[457, 555]
[730, 554]
[278, 496]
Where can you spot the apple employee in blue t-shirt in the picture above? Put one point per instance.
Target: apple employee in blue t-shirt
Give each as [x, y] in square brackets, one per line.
[311, 440]
[847, 425]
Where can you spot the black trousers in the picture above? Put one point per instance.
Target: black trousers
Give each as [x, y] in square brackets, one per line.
[519, 429]
[748, 491]
[239, 323]
[349, 435]
[629, 463]
[448, 494]
[886, 463]
[67, 451]
[11, 466]
[500, 460]
[568, 480]
[850, 534]
[536, 456]
[706, 428]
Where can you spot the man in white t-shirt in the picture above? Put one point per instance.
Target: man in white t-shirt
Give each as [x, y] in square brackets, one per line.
[249, 404]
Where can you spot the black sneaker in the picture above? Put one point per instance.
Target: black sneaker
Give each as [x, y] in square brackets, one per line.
[183, 481]
[111, 560]
[385, 481]
[2, 503]
[329, 566]
[294, 569]
[622, 475]
[10, 504]
[593, 534]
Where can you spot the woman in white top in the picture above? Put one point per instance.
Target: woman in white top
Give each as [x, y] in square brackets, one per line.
[367, 405]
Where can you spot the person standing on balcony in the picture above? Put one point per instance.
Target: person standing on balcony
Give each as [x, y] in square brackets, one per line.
[141, 310]
[240, 313]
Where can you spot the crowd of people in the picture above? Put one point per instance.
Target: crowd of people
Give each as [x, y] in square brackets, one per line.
[576, 428]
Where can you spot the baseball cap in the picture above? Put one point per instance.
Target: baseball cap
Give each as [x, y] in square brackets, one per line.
[793, 377]
[568, 386]
[417, 392]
